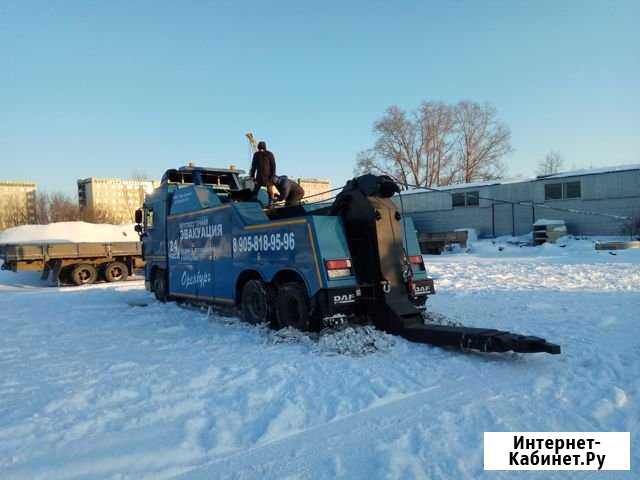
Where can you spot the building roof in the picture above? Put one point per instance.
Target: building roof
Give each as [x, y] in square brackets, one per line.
[590, 171]
[113, 180]
[455, 186]
[10, 183]
[489, 183]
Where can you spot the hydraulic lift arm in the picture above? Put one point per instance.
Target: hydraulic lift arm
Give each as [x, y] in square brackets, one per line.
[376, 240]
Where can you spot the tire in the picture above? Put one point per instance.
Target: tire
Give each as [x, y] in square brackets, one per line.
[159, 285]
[64, 276]
[116, 272]
[84, 274]
[256, 303]
[292, 307]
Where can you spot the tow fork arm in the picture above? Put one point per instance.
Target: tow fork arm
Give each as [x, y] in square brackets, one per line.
[483, 339]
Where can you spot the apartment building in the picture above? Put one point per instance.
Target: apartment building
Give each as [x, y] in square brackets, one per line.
[315, 186]
[117, 198]
[17, 203]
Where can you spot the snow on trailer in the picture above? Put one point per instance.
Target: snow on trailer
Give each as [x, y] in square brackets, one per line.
[68, 232]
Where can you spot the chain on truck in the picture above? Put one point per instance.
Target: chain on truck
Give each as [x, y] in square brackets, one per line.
[206, 239]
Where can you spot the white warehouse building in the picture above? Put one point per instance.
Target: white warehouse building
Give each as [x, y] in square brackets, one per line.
[602, 201]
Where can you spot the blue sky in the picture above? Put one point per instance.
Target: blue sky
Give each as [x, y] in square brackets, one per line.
[106, 88]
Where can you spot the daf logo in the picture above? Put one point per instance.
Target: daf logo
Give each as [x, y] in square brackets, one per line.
[346, 298]
[422, 290]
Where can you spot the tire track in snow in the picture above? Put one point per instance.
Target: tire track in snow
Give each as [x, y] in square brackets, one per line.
[298, 452]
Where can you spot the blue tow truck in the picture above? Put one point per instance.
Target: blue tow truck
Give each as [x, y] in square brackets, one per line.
[206, 239]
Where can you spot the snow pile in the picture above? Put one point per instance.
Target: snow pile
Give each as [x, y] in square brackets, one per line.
[568, 246]
[62, 232]
[544, 221]
[350, 340]
[354, 341]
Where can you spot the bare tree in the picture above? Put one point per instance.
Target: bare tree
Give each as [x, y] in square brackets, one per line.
[398, 151]
[552, 163]
[52, 207]
[438, 145]
[139, 175]
[482, 142]
[42, 208]
[437, 123]
[100, 215]
[13, 212]
[62, 208]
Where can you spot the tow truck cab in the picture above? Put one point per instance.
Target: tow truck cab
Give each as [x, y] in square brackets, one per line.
[207, 240]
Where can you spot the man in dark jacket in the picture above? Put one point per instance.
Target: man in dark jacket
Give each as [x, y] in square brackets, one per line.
[263, 168]
[290, 192]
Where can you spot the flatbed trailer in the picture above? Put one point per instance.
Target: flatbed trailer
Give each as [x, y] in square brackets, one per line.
[74, 263]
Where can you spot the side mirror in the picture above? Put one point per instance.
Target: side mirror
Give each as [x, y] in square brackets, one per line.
[138, 216]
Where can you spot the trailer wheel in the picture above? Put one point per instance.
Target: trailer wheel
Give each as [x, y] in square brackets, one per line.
[84, 274]
[116, 272]
[159, 285]
[292, 306]
[64, 276]
[256, 303]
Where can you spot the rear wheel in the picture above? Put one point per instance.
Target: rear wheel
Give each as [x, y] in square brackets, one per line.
[293, 307]
[257, 303]
[84, 274]
[64, 276]
[159, 285]
[116, 272]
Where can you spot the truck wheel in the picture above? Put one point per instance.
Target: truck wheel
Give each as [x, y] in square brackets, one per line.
[256, 303]
[64, 276]
[84, 274]
[116, 272]
[292, 307]
[159, 286]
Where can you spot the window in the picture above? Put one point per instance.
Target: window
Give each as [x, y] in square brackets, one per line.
[553, 191]
[466, 199]
[148, 220]
[458, 199]
[562, 191]
[572, 190]
[473, 199]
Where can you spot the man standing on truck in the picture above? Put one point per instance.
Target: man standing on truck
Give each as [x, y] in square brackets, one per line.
[263, 168]
[289, 191]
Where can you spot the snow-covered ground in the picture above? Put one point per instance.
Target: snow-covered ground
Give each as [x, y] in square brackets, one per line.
[94, 385]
